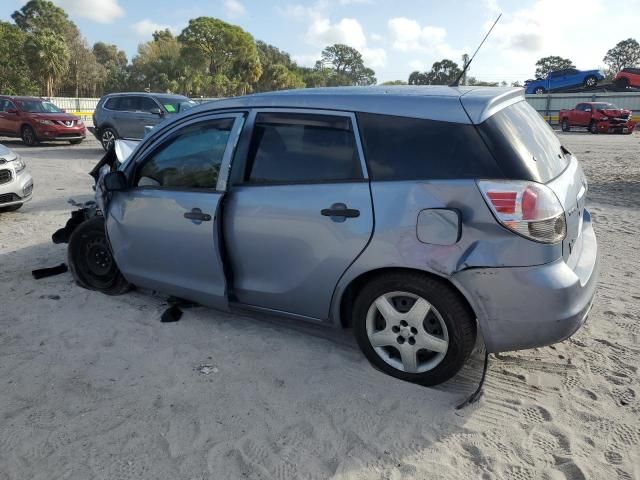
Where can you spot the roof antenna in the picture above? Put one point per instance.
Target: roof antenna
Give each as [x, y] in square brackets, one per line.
[466, 67]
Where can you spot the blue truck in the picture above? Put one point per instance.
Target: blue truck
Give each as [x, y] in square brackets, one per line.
[567, 78]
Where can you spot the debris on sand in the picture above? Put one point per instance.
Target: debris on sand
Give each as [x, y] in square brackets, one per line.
[206, 369]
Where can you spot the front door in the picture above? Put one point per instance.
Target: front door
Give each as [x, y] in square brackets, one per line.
[165, 228]
[299, 213]
[9, 122]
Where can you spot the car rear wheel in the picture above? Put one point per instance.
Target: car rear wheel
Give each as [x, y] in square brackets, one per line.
[590, 81]
[413, 327]
[107, 137]
[622, 82]
[90, 260]
[29, 137]
[565, 125]
[593, 127]
[538, 91]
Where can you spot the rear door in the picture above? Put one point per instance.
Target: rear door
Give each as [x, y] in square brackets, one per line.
[165, 229]
[299, 212]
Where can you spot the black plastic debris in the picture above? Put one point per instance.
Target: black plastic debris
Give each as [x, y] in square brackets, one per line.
[171, 314]
[49, 272]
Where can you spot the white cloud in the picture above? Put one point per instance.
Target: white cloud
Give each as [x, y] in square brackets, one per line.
[417, 65]
[408, 35]
[374, 57]
[376, 37]
[145, 27]
[234, 8]
[101, 11]
[322, 32]
[307, 59]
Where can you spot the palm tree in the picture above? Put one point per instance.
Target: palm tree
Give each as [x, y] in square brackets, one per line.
[48, 57]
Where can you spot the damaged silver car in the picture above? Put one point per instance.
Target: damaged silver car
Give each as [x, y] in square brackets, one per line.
[418, 217]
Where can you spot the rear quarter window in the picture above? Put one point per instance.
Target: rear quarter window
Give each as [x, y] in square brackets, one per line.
[402, 148]
[523, 144]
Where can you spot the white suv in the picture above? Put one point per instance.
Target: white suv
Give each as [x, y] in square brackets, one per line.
[16, 184]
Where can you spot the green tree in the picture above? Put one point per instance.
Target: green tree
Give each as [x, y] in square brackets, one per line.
[551, 64]
[226, 52]
[443, 72]
[16, 78]
[115, 62]
[394, 82]
[278, 77]
[85, 76]
[345, 65]
[37, 15]
[625, 54]
[48, 57]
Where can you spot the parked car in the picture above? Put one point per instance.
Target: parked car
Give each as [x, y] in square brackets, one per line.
[564, 79]
[627, 77]
[16, 184]
[268, 203]
[597, 117]
[125, 115]
[35, 120]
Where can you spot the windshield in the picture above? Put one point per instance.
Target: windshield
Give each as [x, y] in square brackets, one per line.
[38, 106]
[176, 104]
[523, 144]
[605, 106]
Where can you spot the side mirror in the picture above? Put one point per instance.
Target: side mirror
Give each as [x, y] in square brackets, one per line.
[12, 111]
[115, 181]
[156, 111]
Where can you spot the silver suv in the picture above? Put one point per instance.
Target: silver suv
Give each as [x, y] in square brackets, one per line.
[16, 184]
[125, 115]
[416, 216]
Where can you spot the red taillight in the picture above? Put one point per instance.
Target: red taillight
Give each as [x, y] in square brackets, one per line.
[528, 208]
[503, 202]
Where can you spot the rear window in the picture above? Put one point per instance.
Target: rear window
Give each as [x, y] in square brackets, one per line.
[401, 148]
[523, 144]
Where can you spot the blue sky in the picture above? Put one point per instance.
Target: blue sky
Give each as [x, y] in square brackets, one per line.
[395, 36]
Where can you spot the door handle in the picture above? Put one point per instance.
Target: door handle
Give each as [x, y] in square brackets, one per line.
[197, 215]
[339, 212]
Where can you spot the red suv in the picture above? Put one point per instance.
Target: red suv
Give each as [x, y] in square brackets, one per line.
[35, 119]
[627, 77]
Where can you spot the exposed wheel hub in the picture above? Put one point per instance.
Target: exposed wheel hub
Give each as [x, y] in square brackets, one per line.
[98, 257]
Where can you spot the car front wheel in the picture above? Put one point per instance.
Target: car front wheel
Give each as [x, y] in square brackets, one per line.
[593, 127]
[590, 81]
[414, 327]
[29, 137]
[107, 137]
[539, 91]
[90, 260]
[565, 125]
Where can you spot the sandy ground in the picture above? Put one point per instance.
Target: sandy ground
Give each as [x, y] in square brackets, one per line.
[96, 387]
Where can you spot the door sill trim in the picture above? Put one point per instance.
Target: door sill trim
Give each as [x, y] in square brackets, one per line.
[271, 311]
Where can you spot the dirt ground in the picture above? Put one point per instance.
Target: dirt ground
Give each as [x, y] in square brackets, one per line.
[96, 387]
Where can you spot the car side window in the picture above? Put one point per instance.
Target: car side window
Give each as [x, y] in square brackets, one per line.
[112, 103]
[580, 107]
[146, 104]
[190, 159]
[302, 148]
[129, 104]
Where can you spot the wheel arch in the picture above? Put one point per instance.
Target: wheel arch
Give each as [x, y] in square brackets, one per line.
[355, 285]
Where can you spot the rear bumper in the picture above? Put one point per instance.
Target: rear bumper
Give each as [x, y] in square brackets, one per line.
[527, 307]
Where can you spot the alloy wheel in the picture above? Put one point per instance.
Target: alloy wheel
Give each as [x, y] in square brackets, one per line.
[107, 139]
[407, 332]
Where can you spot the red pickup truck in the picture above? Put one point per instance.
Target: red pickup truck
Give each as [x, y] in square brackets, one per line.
[598, 117]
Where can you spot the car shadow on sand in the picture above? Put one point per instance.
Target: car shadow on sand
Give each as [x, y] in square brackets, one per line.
[245, 393]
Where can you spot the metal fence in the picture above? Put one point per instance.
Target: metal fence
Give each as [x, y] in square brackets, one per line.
[547, 105]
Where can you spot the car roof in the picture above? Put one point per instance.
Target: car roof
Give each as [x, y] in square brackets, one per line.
[18, 97]
[463, 104]
[148, 94]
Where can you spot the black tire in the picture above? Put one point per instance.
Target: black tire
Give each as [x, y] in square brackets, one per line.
[28, 136]
[593, 127]
[565, 125]
[622, 82]
[11, 208]
[90, 260]
[453, 310]
[75, 142]
[590, 82]
[538, 91]
[107, 136]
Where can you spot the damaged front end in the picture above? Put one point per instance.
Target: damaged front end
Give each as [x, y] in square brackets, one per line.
[110, 162]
